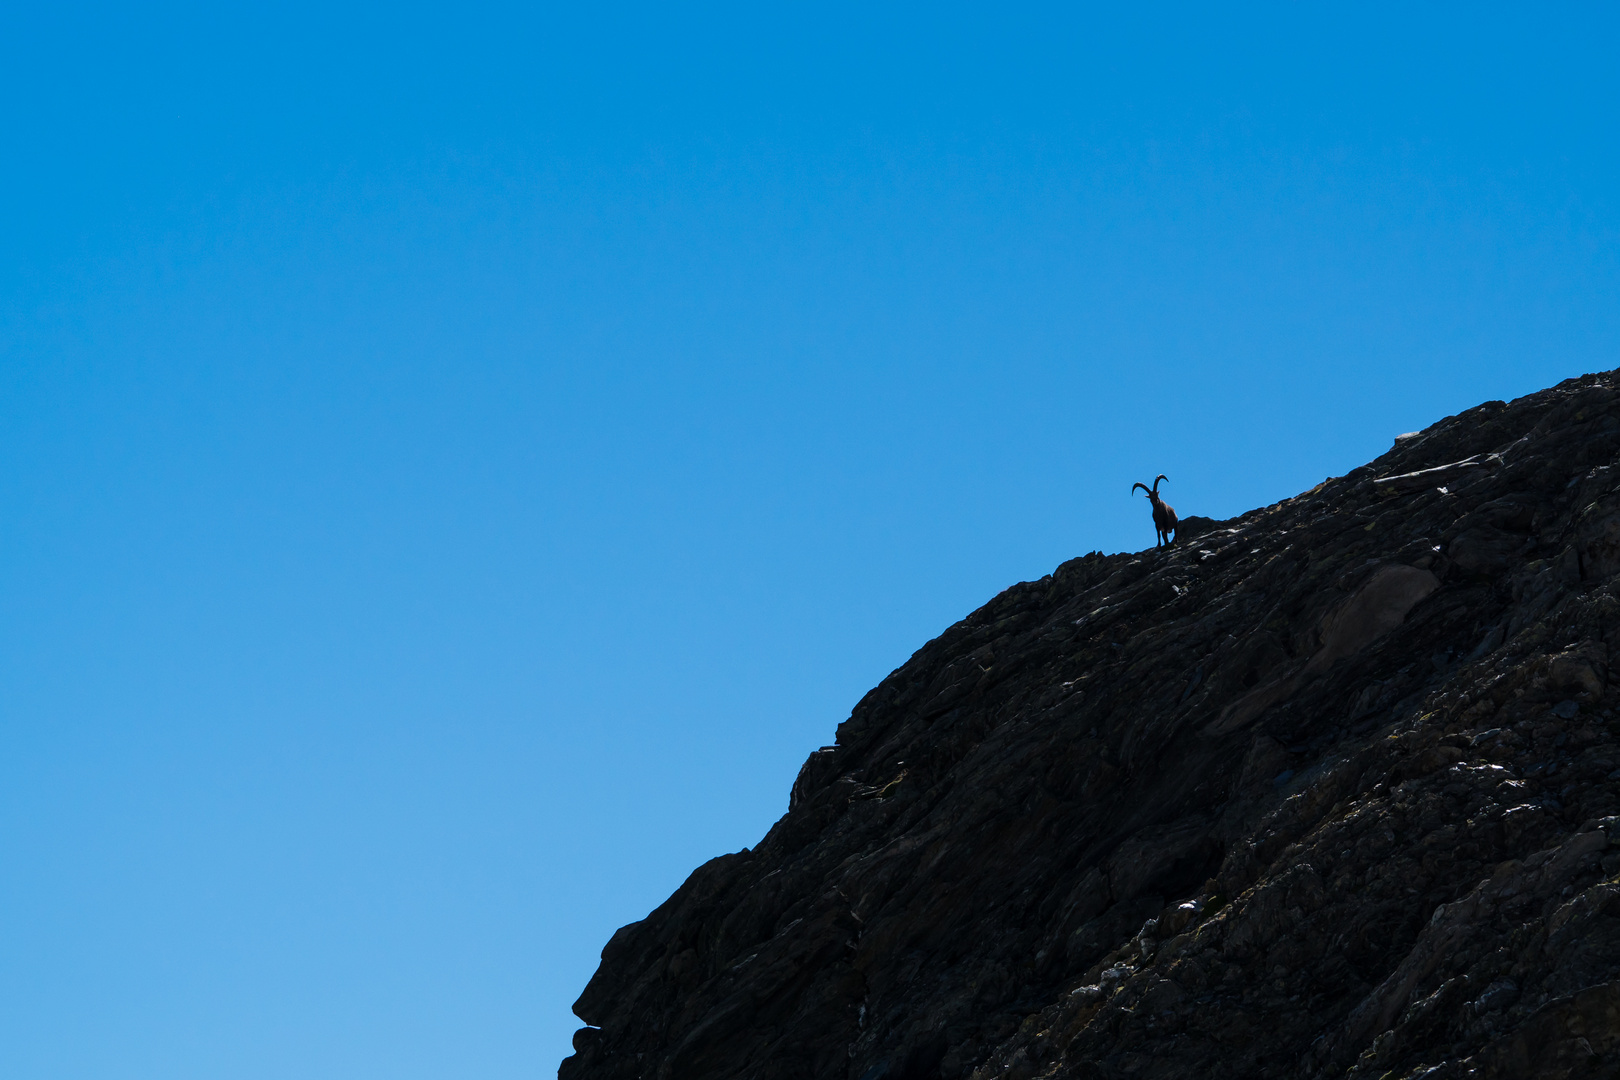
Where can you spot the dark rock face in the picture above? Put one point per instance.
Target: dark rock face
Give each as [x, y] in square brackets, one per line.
[1324, 790]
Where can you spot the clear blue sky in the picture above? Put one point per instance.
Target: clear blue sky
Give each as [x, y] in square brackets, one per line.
[456, 463]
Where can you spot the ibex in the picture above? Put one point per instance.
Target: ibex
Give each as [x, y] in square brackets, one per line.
[1164, 515]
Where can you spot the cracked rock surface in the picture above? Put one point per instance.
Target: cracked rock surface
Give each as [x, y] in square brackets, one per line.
[1328, 789]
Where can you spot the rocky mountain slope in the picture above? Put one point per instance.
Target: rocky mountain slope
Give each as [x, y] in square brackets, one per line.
[1323, 790]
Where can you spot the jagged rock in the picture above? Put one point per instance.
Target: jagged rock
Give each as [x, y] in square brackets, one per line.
[1324, 790]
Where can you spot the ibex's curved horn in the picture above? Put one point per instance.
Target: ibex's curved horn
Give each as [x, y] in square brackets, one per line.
[1144, 487]
[1156, 480]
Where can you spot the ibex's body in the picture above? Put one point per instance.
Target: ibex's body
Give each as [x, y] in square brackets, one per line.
[1164, 515]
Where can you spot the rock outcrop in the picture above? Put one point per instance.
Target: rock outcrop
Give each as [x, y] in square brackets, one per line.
[1325, 790]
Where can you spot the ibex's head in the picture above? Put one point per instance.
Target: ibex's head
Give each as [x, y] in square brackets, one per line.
[1152, 492]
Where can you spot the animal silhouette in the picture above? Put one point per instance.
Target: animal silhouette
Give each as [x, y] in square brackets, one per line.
[1164, 515]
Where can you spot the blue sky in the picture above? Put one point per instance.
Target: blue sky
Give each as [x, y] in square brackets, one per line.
[456, 463]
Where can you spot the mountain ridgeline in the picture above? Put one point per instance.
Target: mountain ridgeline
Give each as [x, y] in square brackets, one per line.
[1324, 790]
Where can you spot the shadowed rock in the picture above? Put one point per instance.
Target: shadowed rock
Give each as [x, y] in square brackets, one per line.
[1327, 789]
